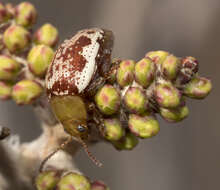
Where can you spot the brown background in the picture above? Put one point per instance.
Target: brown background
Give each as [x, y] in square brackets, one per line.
[184, 156]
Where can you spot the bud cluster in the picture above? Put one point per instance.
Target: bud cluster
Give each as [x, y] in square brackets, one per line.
[60, 180]
[24, 54]
[157, 84]
[126, 98]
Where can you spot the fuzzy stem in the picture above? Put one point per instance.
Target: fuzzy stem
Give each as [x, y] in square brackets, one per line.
[8, 170]
[20, 162]
[43, 111]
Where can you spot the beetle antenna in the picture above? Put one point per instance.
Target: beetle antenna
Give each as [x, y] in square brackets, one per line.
[62, 146]
[91, 156]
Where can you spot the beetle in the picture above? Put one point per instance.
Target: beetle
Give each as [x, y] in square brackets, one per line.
[79, 66]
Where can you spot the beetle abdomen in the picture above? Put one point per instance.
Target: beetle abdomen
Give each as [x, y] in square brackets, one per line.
[77, 60]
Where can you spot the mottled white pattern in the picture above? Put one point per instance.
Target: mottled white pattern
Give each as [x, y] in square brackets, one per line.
[89, 53]
[63, 69]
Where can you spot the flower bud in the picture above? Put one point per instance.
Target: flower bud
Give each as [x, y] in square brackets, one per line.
[25, 14]
[170, 67]
[135, 100]
[26, 91]
[5, 90]
[108, 100]
[99, 185]
[166, 95]
[4, 14]
[190, 63]
[143, 126]
[144, 72]
[189, 67]
[47, 35]
[128, 142]
[39, 59]
[74, 181]
[47, 180]
[174, 114]
[157, 56]
[113, 129]
[9, 68]
[125, 73]
[198, 87]
[16, 38]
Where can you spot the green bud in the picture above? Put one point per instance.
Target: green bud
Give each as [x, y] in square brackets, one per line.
[113, 129]
[108, 99]
[128, 142]
[25, 14]
[143, 126]
[47, 180]
[190, 63]
[125, 73]
[74, 181]
[167, 95]
[144, 72]
[39, 59]
[99, 185]
[189, 67]
[175, 114]
[26, 91]
[135, 100]
[170, 67]
[4, 14]
[5, 90]
[16, 38]
[47, 35]
[198, 87]
[158, 57]
[9, 68]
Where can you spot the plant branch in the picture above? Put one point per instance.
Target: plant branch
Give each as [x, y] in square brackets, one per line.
[20, 162]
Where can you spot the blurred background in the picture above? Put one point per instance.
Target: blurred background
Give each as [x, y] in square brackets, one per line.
[184, 155]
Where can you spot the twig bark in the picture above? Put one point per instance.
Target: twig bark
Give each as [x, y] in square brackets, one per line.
[20, 162]
[8, 169]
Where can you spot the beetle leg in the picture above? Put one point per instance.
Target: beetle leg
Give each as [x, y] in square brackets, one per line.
[114, 67]
[123, 118]
[101, 129]
[62, 146]
[97, 118]
[96, 84]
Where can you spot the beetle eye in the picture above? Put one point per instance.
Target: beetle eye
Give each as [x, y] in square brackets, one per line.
[81, 128]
